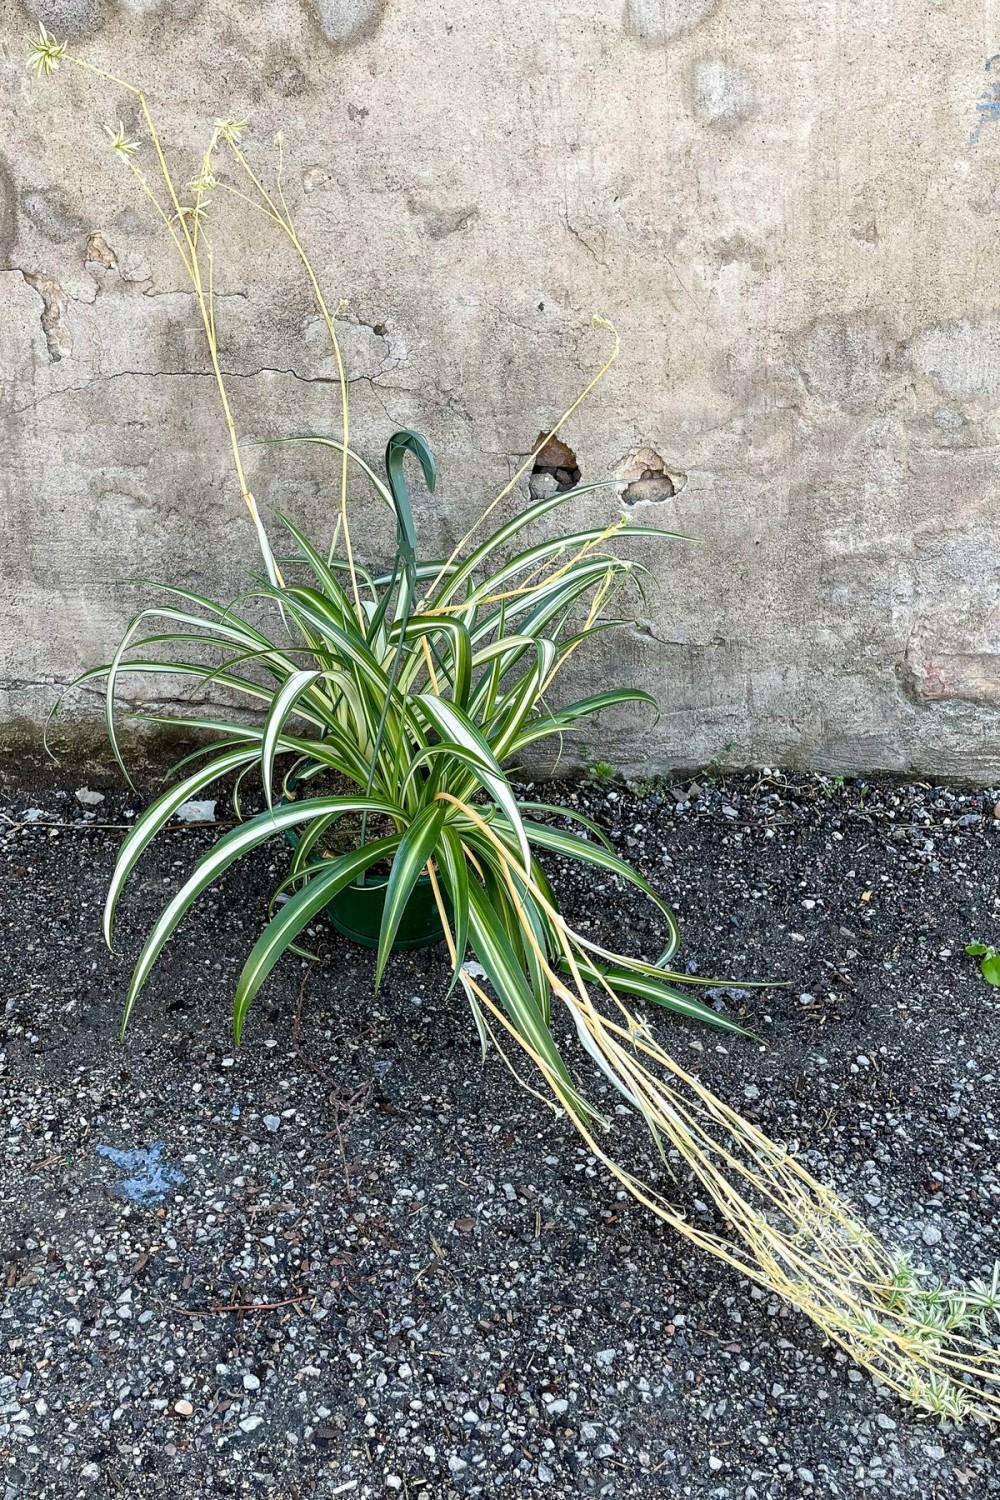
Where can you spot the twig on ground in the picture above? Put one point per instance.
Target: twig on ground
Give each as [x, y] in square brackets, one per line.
[231, 1307]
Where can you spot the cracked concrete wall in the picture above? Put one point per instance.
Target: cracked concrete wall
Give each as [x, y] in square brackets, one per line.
[789, 210]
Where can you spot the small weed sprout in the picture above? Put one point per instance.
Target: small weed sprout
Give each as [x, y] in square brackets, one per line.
[989, 961]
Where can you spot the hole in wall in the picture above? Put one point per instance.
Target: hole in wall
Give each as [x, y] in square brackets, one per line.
[647, 479]
[555, 468]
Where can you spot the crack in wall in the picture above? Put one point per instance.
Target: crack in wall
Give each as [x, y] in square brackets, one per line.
[70, 390]
[582, 240]
[644, 630]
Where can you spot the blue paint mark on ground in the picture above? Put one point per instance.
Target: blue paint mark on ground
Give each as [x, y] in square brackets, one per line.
[149, 1179]
[988, 107]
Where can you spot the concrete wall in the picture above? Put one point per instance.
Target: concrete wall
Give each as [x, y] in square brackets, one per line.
[790, 209]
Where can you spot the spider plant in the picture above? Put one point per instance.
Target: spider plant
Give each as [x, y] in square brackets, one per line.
[416, 687]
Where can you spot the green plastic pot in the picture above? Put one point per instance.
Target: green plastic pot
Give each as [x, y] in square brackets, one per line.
[356, 912]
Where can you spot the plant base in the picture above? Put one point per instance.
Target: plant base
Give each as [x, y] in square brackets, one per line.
[356, 912]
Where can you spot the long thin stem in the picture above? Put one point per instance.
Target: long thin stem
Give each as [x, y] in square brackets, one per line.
[798, 1240]
[463, 542]
[188, 250]
[285, 221]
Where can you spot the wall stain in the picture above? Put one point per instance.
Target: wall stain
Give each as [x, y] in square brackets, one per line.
[344, 22]
[100, 253]
[737, 249]
[440, 218]
[8, 214]
[926, 676]
[660, 21]
[722, 95]
[961, 357]
[71, 20]
[52, 214]
[172, 10]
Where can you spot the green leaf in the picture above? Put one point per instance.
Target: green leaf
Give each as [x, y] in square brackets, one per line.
[215, 631]
[533, 556]
[451, 723]
[989, 967]
[460, 661]
[534, 611]
[627, 981]
[989, 961]
[403, 442]
[281, 706]
[231, 847]
[552, 809]
[563, 718]
[528, 918]
[281, 932]
[336, 750]
[180, 669]
[493, 950]
[455, 877]
[309, 605]
[509, 529]
[415, 849]
[213, 747]
[145, 829]
[442, 756]
[322, 572]
[582, 708]
[329, 442]
[224, 613]
[571, 846]
[305, 844]
[405, 565]
[521, 699]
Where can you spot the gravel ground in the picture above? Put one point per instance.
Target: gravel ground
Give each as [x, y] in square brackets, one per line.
[455, 1300]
